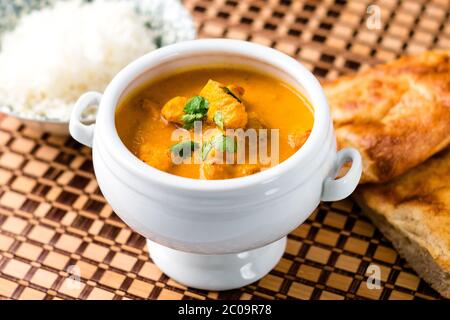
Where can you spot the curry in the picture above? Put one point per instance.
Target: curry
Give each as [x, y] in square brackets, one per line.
[222, 102]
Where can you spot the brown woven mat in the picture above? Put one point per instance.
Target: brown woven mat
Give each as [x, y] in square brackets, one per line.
[53, 216]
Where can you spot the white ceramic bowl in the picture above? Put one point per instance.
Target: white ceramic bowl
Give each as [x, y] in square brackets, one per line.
[217, 234]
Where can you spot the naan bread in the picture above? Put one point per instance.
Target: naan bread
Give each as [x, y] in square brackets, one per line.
[413, 212]
[397, 114]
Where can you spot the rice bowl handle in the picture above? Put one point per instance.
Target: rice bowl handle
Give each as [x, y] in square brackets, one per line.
[84, 134]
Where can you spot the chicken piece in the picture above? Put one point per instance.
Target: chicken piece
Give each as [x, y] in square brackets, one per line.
[157, 157]
[227, 101]
[173, 110]
[254, 122]
[215, 166]
[152, 108]
[298, 138]
[242, 170]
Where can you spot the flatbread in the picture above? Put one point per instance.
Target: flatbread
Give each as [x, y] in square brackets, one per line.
[413, 212]
[396, 114]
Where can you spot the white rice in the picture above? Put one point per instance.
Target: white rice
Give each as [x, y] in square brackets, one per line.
[56, 54]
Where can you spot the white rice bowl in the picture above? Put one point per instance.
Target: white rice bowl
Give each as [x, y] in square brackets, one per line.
[56, 54]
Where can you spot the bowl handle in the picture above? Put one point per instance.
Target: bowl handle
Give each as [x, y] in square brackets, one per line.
[341, 188]
[83, 133]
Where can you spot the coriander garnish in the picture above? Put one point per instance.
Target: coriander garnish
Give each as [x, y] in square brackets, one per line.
[219, 142]
[195, 110]
[190, 119]
[218, 119]
[224, 143]
[196, 104]
[206, 148]
[231, 93]
[184, 149]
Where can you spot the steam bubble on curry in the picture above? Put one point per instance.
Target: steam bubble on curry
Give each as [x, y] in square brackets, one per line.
[216, 122]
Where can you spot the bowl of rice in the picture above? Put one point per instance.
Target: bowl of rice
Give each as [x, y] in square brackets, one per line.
[51, 51]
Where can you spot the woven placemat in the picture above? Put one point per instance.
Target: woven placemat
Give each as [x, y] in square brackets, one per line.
[55, 224]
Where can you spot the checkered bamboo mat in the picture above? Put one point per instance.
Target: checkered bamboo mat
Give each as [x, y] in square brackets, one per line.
[55, 224]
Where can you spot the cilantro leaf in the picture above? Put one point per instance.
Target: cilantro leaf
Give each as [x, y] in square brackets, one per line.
[190, 119]
[224, 143]
[221, 143]
[206, 148]
[218, 119]
[195, 105]
[195, 109]
[184, 149]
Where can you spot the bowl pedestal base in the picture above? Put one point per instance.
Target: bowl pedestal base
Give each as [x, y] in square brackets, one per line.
[217, 272]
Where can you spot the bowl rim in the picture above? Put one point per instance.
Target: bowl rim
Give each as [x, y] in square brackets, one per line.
[105, 128]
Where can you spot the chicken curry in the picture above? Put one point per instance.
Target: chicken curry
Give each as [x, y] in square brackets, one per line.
[218, 100]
